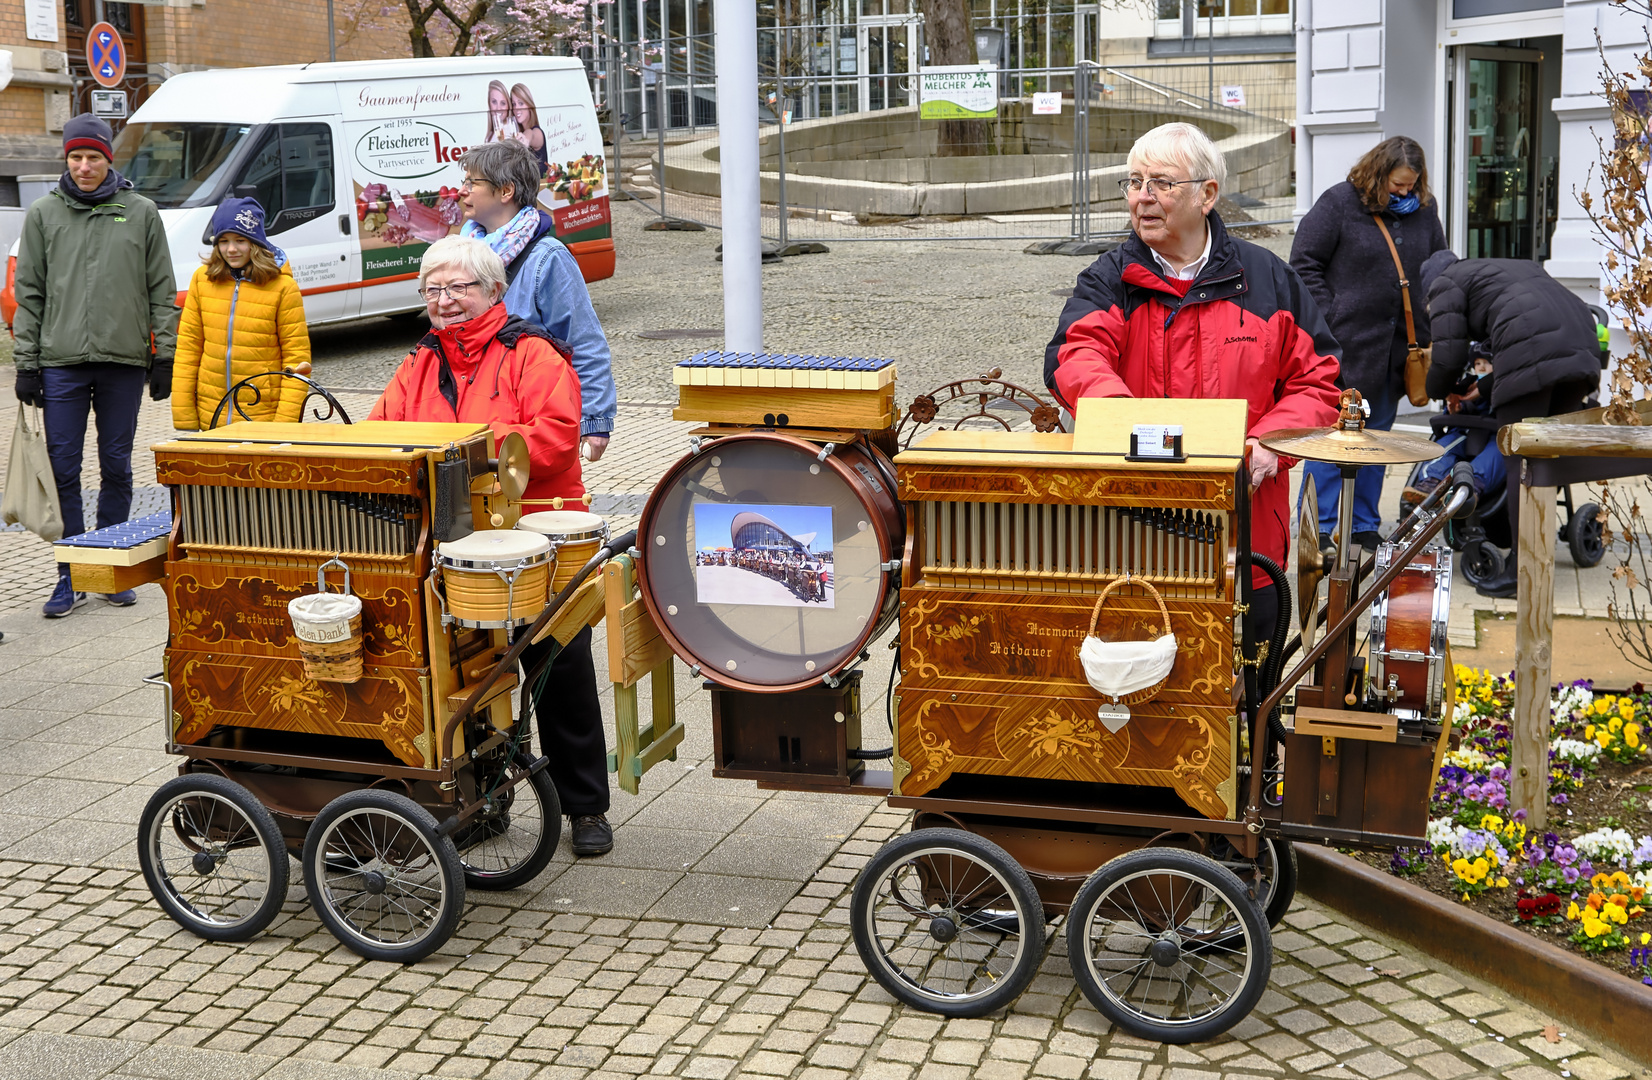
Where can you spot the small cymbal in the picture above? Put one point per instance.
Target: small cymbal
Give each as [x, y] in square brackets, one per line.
[1355, 446]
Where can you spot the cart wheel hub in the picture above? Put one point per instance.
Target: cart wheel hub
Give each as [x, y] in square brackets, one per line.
[373, 882]
[1165, 952]
[943, 929]
[203, 863]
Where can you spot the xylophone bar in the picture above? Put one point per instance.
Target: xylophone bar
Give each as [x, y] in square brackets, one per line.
[786, 371]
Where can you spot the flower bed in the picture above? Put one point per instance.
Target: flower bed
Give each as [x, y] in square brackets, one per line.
[1584, 882]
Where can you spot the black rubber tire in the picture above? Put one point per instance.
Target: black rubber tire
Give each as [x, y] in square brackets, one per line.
[515, 856]
[1481, 562]
[190, 882]
[383, 844]
[1584, 536]
[920, 940]
[1187, 896]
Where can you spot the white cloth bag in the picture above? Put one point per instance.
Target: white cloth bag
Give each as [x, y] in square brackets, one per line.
[31, 490]
[1119, 669]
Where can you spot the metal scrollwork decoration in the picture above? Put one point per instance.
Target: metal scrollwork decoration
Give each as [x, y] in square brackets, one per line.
[986, 398]
[233, 397]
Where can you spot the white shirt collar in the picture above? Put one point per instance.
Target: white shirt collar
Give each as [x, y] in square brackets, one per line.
[1191, 270]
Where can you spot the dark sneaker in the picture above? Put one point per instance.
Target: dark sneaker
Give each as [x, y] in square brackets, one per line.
[124, 598]
[592, 835]
[64, 599]
[1368, 540]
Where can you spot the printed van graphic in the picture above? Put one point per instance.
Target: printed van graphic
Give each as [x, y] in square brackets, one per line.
[406, 168]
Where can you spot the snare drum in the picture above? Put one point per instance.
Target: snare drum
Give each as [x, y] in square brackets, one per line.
[574, 536]
[1410, 663]
[726, 535]
[495, 578]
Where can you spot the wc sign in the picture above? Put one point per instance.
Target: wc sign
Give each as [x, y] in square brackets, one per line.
[1233, 97]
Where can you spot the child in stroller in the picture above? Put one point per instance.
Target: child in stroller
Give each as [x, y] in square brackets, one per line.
[1471, 397]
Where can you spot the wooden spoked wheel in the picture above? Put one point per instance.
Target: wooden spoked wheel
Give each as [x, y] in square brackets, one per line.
[213, 857]
[948, 922]
[1167, 945]
[381, 878]
[510, 842]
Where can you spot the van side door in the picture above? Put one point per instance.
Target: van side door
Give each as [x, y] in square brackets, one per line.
[293, 169]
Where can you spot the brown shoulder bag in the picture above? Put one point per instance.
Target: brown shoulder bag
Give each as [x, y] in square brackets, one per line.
[1417, 358]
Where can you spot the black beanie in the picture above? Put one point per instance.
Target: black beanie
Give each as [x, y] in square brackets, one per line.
[88, 132]
[1431, 269]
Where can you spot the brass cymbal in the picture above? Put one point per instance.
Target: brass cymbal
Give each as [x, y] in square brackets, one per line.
[1310, 562]
[1354, 446]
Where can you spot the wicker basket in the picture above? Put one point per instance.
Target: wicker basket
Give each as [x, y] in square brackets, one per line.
[1135, 697]
[328, 628]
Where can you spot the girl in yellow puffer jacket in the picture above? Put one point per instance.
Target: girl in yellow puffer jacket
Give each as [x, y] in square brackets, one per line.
[243, 316]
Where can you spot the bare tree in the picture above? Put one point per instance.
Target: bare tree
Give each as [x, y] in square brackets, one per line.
[439, 15]
[1624, 216]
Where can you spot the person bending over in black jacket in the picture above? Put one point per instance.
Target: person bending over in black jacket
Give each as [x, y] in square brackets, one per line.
[1547, 355]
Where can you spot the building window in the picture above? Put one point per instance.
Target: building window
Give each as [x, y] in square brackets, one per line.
[119, 16]
[1230, 17]
[71, 13]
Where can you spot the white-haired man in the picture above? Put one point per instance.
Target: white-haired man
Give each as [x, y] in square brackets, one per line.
[1184, 310]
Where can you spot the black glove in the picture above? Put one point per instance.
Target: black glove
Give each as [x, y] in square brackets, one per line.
[160, 380]
[30, 391]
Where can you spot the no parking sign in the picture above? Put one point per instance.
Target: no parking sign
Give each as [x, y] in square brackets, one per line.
[105, 55]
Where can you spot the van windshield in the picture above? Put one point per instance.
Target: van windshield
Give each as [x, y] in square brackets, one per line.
[179, 165]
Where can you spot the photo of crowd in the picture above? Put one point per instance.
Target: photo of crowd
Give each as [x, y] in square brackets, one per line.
[769, 556]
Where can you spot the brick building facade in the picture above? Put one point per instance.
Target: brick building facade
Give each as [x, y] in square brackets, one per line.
[50, 81]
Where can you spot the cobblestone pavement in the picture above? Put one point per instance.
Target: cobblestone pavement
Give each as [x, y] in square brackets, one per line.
[713, 942]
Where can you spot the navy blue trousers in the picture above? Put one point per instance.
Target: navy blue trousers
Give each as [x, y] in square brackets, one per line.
[73, 393]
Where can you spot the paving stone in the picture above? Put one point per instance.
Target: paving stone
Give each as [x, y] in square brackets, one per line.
[1494, 1055]
[1301, 1021]
[1537, 1044]
[1309, 1062]
[1513, 1022]
[1435, 985]
[1112, 1069]
[1474, 1005]
[1337, 1040]
[1442, 1066]
[1374, 1064]
[1418, 1011]
[1590, 1067]
[1353, 1013]
[1333, 933]
[1456, 1032]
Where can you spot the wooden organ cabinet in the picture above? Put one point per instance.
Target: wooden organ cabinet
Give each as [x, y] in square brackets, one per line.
[1011, 538]
[255, 516]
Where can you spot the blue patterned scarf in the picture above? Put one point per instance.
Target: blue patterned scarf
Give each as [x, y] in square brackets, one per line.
[508, 242]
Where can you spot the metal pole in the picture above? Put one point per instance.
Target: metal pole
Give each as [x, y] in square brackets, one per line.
[660, 106]
[1210, 51]
[780, 140]
[741, 189]
[615, 100]
[332, 36]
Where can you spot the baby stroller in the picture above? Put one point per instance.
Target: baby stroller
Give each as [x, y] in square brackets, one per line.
[1483, 532]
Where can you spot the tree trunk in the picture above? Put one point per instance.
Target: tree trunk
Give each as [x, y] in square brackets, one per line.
[420, 13]
[947, 33]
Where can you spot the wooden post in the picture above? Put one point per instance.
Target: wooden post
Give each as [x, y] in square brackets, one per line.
[1533, 641]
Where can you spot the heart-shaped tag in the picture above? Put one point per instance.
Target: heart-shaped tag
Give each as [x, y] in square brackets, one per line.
[1114, 716]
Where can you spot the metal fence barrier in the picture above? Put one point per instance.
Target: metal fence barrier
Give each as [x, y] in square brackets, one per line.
[881, 173]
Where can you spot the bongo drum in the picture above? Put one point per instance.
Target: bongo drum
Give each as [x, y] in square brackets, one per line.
[495, 578]
[574, 536]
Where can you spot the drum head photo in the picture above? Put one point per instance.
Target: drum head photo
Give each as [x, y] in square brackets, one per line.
[775, 556]
[765, 561]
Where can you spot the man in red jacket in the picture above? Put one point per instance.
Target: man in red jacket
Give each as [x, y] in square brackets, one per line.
[1184, 310]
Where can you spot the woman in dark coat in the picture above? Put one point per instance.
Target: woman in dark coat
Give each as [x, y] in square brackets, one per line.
[1545, 354]
[1340, 254]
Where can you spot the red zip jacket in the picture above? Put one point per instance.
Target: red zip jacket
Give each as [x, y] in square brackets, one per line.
[1246, 327]
[503, 372]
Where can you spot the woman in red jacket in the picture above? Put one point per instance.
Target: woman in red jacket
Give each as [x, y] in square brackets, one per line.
[481, 365]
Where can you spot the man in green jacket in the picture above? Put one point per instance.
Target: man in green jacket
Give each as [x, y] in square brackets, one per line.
[96, 317]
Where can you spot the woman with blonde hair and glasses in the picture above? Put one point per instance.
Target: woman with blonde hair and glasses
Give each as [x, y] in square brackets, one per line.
[1342, 253]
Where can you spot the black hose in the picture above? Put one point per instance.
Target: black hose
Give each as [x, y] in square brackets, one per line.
[1273, 667]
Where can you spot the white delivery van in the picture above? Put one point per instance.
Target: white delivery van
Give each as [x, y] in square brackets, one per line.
[356, 164]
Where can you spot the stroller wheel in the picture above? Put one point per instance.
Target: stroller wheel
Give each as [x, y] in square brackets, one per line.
[1584, 536]
[1481, 562]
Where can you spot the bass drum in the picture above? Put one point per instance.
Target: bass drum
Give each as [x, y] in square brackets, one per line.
[770, 562]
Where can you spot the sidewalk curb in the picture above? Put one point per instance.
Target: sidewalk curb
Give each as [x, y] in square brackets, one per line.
[1602, 1004]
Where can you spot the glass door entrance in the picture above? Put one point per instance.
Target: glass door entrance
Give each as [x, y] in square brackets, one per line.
[888, 61]
[1496, 210]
